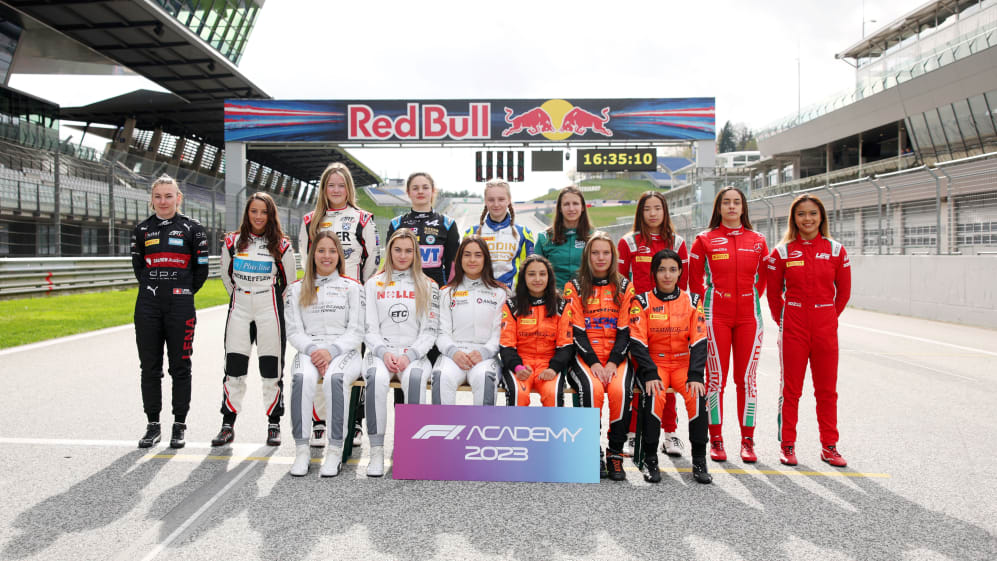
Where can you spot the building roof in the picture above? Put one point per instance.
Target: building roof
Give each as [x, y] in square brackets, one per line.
[204, 121]
[925, 17]
[144, 38]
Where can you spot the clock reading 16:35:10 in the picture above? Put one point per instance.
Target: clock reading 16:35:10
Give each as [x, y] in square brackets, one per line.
[621, 159]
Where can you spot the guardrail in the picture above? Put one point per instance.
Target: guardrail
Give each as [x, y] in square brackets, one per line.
[42, 275]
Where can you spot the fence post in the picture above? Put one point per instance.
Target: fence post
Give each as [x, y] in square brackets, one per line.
[111, 243]
[951, 206]
[938, 210]
[57, 204]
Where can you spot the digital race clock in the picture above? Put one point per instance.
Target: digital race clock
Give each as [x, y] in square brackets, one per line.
[621, 159]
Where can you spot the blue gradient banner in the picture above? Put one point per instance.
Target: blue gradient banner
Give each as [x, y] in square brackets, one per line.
[473, 443]
[513, 120]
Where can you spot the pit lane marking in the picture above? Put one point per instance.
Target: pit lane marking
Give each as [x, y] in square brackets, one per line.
[919, 339]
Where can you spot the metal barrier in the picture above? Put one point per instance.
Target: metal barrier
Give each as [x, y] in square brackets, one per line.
[22, 276]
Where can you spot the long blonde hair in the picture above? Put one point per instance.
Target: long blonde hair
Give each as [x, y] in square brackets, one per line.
[322, 201]
[585, 275]
[307, 296]
[512, 213]
[420, 280]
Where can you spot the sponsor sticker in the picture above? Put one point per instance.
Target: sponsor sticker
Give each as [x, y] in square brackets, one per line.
[175, 241]
[719, 256]
[528, 321]
[794, 263]
[659, 316]
[154, 241]
[202, 260]
[643, 259]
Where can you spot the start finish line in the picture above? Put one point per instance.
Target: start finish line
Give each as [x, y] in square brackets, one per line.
[477, 443]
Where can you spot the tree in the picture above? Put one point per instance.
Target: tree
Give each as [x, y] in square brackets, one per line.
[726, 140]
[745, 138]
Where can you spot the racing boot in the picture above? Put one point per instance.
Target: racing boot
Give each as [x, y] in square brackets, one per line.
[614, 463]
[788, 454]
[153, 434]
[630, 446]
[333, 461]
[302, 457]
[748, 455]
[829, 453]
[652, 473]
[176, 439]
[318, 435]
[224, 436]
[273, 434]
[672, 445]
[699, 471]
[375, 468]
[358, 435]
[717, 453]
[603, 471]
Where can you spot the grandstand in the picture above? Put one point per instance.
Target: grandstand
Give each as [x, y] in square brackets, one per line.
[185, 48]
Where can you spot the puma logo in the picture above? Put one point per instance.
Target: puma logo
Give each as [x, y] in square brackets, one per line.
[153, 290]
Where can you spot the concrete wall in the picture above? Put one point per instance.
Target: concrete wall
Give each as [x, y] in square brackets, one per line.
[957, 289]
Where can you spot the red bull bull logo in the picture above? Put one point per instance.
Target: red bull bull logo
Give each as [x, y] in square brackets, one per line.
[557, 119]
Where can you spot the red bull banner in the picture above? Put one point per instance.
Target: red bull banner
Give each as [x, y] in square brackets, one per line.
[513, 120]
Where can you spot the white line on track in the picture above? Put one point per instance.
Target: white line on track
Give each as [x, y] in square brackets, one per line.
[114, 443]
[920, 339]
[160, 547]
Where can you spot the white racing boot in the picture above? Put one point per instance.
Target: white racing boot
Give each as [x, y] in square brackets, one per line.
[333, 461]
[302, 457]
[376, 466]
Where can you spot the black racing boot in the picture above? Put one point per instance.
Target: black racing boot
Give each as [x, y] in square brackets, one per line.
[273, 434]
[224, 436]
[652, 473]
[699, 471]
[176, 439]
[603, 471]
[153, 434]
[614, 463]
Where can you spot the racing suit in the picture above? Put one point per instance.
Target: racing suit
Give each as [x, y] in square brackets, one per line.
[668, 342]
[509, 244]
[393, 325]
[334, 322]
[170, 260]
[601, 332]
[438, 241]
[470, 320]
[732, 261]
[809, 283]
[255, 282]
[361, 246]
[565, 257]
[531, 338]
[358, 234]
[635, 263]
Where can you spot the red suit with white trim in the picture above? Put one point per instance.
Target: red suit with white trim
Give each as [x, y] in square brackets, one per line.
[726, 269]
[809, 283]
[255, 281]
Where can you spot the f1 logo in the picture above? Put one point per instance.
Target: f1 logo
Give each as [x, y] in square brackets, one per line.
[448, 432]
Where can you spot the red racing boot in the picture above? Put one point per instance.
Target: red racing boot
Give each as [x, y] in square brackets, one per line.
[717, 453]
[829, 453]
[748, 455]
[788, 454]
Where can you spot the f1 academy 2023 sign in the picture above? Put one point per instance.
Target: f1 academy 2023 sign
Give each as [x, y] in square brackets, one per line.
[555, 120]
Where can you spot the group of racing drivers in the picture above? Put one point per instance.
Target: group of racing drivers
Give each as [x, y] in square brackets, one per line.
[494, 308]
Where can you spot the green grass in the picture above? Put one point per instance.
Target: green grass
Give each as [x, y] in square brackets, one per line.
[612, 189]
[607, 215]
[27, 320]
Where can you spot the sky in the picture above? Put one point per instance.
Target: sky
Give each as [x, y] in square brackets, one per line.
[745, 54]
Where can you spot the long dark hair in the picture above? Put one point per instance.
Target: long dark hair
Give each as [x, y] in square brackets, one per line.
[666, 232]
[487, 275]
[585, 276]
[717, 220]
[523, 298]
[556, 231]
[792, 230]
[272, 231]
